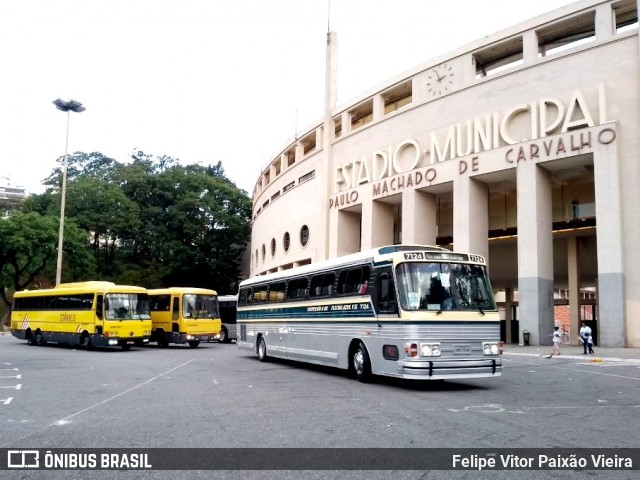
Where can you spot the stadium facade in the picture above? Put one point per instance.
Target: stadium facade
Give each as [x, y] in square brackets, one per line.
[522, 147]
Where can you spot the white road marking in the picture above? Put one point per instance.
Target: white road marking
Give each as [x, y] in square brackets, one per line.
[6, 401]
[13, 376]
[17, 387]
[486, 408]
[66, 419]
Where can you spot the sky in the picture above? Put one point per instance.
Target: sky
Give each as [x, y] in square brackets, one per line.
[205, 81]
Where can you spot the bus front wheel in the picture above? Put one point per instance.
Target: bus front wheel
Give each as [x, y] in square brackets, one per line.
[262, 350]
[361, 363]
[194, 343]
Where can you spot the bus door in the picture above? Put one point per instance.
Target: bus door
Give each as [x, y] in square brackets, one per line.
[385, 304]
[99, 316]
[175, 316]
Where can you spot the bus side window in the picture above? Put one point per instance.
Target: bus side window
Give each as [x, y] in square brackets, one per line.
[386, 294]
[100, 307]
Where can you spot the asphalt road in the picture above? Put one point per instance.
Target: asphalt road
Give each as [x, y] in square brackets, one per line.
[218, 396]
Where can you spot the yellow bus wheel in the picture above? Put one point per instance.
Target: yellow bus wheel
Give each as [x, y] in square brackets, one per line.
[194, 344]
[85, 341]
[39, 339]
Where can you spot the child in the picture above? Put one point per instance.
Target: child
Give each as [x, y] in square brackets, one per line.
[590, 344]
[557, 340]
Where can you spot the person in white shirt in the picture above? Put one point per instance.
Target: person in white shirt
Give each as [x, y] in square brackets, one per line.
[557, 340]
[585, 333]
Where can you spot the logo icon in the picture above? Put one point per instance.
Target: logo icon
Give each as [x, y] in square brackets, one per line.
[23, 459]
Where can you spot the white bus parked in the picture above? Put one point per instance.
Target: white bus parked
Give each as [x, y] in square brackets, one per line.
[415, 312]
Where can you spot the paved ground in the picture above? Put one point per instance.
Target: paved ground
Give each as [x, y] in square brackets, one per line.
[576, 352]
[567, 351]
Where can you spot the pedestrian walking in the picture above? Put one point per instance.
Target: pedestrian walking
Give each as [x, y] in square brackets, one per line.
[557, 340]
[585, 333]
[590, 343]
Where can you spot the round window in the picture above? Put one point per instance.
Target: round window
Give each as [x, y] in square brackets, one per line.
[286, 241]
[304, 235]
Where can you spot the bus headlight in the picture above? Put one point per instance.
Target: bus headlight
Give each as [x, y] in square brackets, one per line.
[490, 348]
[430, 349]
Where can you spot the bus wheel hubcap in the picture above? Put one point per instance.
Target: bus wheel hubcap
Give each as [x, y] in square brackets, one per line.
[358, 361]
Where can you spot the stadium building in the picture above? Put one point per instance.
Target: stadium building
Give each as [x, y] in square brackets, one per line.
[522, 147]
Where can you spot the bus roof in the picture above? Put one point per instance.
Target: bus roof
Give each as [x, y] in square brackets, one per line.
[182, 291]
[82, 287]
[379, 254]
[227, 298]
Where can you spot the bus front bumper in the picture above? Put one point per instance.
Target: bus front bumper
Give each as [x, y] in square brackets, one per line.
[450, 368]
[103, 341]
[180, 338]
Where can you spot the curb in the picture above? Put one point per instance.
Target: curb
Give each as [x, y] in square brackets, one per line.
[586, 358]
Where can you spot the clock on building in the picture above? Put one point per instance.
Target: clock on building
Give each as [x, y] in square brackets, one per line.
[440, 79]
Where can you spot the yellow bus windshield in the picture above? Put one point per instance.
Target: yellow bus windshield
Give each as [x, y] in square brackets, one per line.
[199, 306]
[127, 306]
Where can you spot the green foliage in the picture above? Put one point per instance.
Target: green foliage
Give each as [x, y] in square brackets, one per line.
[28, 252]
[151, 222]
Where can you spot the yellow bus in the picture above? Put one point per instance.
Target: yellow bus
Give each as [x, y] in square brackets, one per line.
[95, 313]
[184, 315]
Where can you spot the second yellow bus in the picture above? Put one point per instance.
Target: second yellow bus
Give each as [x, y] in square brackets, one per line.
[184, 315]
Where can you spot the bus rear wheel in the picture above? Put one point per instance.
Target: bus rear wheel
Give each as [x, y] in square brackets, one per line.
[85, 341]
[162, 339]
[223, 336]
[39, 339]
[361, 363]
[194, 343]
[262, 350]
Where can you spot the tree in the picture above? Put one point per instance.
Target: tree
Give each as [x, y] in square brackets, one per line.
[154, 222]
[28, 251]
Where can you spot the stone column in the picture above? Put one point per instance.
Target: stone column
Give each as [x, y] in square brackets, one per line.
[470, 216]
[535, 252]
[418, 218]
[573, 271]
[611, 277]
[508, 302]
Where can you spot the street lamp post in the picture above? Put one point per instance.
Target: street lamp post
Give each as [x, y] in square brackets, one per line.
[70, 106]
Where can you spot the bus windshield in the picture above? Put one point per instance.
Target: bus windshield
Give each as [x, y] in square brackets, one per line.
[199, 306]
[444, 286]
[127, 306]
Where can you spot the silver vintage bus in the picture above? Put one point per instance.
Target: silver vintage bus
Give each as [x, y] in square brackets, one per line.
[415, 312]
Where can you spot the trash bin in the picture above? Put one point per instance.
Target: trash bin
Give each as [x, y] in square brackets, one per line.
[525, 337]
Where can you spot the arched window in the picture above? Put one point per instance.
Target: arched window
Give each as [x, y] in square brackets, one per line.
[273, 247]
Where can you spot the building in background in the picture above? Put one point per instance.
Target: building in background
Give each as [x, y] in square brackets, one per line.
[522, 147]
[11, 196]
